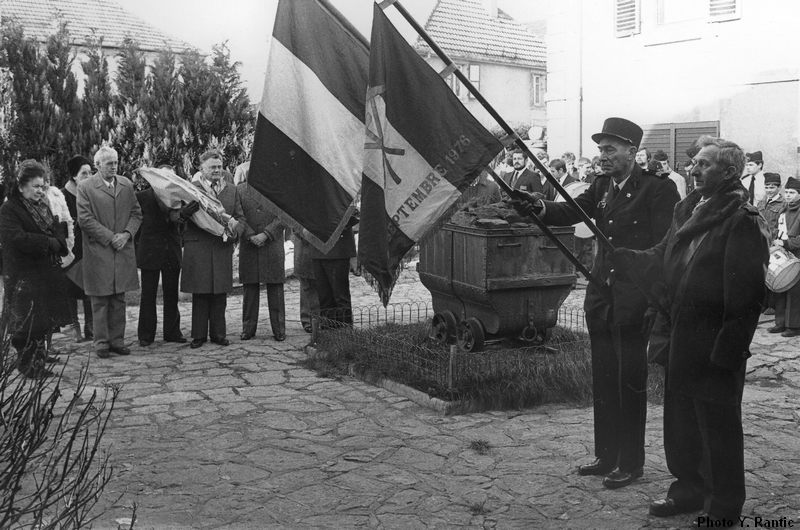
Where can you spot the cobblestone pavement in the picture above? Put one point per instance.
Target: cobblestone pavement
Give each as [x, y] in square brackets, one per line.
[243, 437]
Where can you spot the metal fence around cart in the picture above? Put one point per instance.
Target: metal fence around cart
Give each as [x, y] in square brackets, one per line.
[394, 342]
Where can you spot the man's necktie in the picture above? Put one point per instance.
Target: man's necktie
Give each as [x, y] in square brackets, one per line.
[752, 189]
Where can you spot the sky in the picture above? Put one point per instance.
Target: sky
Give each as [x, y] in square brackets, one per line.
[246, 25]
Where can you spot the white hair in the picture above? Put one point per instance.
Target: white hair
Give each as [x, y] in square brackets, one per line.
[103, 153]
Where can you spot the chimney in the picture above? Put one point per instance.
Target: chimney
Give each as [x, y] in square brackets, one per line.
[491, 7]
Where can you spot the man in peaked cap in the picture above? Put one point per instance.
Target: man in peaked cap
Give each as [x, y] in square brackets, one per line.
[633, 209]
[753, 179]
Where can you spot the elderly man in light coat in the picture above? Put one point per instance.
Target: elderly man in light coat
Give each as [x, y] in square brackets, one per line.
[109, 216]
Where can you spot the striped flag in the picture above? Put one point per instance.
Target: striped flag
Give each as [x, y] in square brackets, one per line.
[308, 149]
[422, 149]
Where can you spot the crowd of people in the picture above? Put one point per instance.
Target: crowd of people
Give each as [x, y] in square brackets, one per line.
[82, 244]
[679, 280]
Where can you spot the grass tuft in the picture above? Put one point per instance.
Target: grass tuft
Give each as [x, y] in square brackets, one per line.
[503, 377]
[480, 446]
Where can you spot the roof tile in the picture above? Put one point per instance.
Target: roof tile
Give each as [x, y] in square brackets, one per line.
[463, 28]
[85, 19]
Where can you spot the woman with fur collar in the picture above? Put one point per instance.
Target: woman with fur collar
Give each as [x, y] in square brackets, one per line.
[787, 304]
[708, 276]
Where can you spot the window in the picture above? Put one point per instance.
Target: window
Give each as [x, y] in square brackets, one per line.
[723, 10]
[455, 84]
[473, 73]
[475, 77]
[537, 90]
[626, 18]
[670, 11]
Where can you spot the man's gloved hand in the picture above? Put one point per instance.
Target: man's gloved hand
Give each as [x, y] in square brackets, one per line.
[528, 204]
[56, 246]
[648, 320]
[623, 259]
[189, 209]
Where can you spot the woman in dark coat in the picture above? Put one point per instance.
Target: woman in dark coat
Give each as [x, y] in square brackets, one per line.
[79, 168]
[33, 241]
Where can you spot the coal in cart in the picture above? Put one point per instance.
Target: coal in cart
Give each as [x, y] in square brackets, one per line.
[494, 283]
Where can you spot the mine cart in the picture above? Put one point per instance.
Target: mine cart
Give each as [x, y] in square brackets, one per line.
[492, 283]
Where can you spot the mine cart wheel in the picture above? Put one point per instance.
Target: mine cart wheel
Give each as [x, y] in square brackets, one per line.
[444, 327]
[471, 335]
[543, 336]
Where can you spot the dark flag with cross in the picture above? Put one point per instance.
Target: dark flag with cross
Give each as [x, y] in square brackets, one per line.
[308, 147]
[422, 149]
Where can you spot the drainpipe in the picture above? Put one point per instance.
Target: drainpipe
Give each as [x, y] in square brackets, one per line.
[580, 78]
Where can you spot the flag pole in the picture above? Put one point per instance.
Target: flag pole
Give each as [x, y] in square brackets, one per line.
[549, 233]
[505, 126]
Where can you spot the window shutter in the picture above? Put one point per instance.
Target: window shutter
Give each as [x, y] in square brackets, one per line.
[723, 10]
[626, 18]
[537, 90]
[474, 76]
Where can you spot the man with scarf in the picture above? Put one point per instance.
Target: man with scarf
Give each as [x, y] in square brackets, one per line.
[708, 283]
[633, 209]
[208, 259]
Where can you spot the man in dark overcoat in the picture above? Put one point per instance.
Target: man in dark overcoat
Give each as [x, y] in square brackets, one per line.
[261, 260]
[159, 253]
[208, 259]
[708, 278]
[633, 209]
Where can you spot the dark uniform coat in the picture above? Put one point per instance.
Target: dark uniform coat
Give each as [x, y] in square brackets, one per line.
[103, 212]
[158, 242]
[637, 219]
[264, 264]
[713, 264]
[207, 259]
